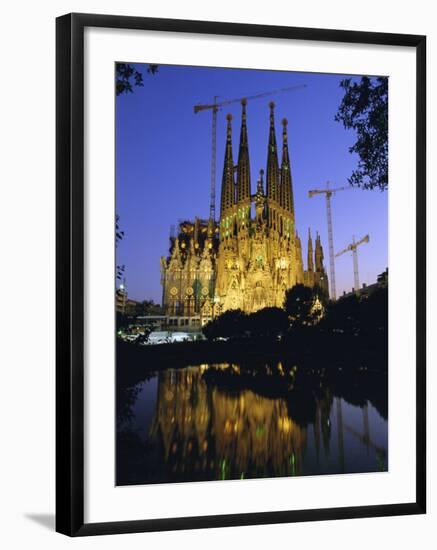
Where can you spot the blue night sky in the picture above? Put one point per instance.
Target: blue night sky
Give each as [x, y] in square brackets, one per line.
[163, 154]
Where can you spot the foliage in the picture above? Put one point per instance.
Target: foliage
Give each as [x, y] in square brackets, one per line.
[358, 314]
[364, 108]
[298, 304]
[344, 315]
[121, 321]
[149, 307]
[375, 311]
[119, 235]
[146, 307]
[231, 324]
[143, 337]
[127, 77]
[322, 294]
[270, 322]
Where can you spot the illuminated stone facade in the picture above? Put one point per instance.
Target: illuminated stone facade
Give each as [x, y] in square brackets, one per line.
[188, 275]
[253, 255]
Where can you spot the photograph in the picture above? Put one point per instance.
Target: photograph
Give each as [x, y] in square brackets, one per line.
[251, 295]
[219, 223]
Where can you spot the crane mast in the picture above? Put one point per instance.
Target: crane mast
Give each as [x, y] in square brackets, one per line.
[213, 160]
[328, 194]
[355, 262]
[214, 108]
[331, 246]
[352, 247]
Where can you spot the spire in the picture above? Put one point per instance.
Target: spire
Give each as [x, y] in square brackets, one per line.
[175, 254]
[298, 241]
[210, 229]
[260, 198]
[228, 184]
[287, 199]
[196, 230]
[243, 168]
[319, 254]
[310, 252]
[260, 182]
[272, 175]
[299, 250]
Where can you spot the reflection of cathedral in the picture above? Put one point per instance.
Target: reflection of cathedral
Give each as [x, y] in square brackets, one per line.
[254, 254]
[210, 433]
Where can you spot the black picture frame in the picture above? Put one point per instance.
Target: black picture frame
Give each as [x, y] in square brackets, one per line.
[70, 273]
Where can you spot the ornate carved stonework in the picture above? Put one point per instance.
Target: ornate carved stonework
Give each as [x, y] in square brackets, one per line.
[253, 255]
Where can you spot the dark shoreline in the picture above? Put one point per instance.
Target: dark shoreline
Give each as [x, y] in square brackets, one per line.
[346, 364]
[332, 351]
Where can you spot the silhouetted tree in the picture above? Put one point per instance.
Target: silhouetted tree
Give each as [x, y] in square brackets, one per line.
[269, 321]
[322, 294]
[364, 108]
[375, 311]
[344, 315]
[143, 336]
[354, 314]
[149, 307]
[119, 235]
[298, 304]
[230, 324]
[122, 321]
[127, 76]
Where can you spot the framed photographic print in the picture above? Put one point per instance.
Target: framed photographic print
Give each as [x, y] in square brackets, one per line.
[240, 274]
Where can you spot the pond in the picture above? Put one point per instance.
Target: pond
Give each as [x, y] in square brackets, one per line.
[225, 421]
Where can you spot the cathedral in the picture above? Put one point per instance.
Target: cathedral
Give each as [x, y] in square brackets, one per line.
[253, 254]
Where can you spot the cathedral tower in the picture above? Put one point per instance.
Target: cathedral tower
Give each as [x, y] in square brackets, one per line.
[247, 262]
[319, 255]
[287, 198]
[228, 182]
[243, 166]
[272, 174]
[310, 252]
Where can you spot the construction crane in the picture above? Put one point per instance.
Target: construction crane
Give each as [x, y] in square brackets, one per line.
[328, 194]
[214, 108]
[353, 248]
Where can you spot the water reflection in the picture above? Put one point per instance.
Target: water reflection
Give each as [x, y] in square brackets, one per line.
[229, 422]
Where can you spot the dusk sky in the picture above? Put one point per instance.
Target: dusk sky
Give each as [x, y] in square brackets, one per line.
[163, 155]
